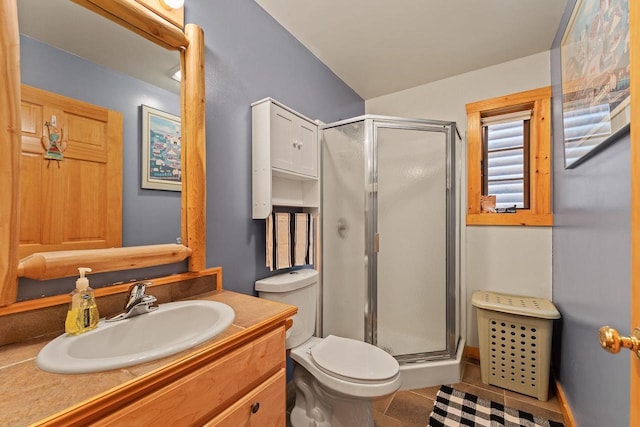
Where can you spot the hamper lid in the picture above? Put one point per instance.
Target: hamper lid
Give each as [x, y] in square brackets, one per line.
[515, 304]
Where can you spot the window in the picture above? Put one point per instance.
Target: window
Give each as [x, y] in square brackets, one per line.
[505, 159]
[508, 156]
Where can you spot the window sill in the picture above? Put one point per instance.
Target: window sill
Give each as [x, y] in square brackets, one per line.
[510, 219]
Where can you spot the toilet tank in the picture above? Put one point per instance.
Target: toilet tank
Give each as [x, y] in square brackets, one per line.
[297, 288]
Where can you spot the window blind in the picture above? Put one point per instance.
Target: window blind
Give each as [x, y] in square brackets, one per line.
[506, 159]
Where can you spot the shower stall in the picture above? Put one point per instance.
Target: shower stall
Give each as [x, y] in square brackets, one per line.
[389, 242]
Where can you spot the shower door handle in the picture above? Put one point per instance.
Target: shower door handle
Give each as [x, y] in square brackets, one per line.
[377, 242]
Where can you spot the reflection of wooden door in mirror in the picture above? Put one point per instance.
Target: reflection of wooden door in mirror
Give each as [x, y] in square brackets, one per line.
[75, 201]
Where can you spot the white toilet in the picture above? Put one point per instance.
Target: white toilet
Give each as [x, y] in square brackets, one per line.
[336, 378]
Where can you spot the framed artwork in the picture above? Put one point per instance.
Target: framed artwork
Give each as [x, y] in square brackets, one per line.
[595, 77]
[161, 150]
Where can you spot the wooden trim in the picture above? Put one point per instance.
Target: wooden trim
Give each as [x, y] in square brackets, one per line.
[194, 185]
[474, 157]
[518, 218]
[10, 134]
[567, 415]
[502, 104]
[634, 49]
[472, 352]
[139, 19]
[539, 212]
[40, 303]
[49, 265]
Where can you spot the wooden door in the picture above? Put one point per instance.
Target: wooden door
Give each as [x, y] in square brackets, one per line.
[634, 48]
[71, 190]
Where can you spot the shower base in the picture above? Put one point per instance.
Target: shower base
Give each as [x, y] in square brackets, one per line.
[431, 373]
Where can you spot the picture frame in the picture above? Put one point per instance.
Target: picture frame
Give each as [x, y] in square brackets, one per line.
[161, 150]
[596, 105]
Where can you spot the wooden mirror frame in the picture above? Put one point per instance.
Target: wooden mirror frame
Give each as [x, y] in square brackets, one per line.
[47, 265]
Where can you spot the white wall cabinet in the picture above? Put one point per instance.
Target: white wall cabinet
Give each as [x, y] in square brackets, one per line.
[284, 158]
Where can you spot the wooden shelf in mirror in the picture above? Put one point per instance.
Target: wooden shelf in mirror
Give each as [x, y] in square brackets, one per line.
[51, 265]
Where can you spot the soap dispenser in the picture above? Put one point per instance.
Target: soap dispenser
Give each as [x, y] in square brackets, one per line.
[83, 310]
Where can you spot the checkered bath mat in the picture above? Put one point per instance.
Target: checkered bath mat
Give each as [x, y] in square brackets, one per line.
[454, 408]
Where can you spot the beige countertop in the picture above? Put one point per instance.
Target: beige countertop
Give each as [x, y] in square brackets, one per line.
[29, 394]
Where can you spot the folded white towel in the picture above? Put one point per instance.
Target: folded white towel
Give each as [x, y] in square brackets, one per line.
[301, 239]
[282, 244]
[289, 240]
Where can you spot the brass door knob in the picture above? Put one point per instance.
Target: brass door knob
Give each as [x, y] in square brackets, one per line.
[611, 341]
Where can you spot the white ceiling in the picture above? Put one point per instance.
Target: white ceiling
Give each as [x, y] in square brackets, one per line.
[383, 46]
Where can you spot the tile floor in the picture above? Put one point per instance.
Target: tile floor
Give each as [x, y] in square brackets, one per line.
[411, 408]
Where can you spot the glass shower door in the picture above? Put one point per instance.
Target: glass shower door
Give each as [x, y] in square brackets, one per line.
[412, 240]
[344, 278]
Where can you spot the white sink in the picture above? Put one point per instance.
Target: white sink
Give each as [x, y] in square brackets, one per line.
[173, 327]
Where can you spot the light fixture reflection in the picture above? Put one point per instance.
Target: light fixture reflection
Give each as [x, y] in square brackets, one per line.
[172, 4]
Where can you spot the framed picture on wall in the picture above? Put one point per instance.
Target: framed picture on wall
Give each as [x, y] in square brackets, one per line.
[161, 150]
[595, 77]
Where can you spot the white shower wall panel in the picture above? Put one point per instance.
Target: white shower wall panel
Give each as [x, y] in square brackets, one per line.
[343, 244]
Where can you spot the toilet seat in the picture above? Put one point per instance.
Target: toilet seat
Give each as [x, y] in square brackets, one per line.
[353, 360]
[345, 384]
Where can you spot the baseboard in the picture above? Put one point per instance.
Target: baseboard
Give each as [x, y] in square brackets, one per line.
[569, 421]
[472, 352]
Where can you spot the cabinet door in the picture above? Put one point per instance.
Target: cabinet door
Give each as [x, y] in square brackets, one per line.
[211, 389]
[283, 139]
[264, 406]
[294, 143]
[307, 148]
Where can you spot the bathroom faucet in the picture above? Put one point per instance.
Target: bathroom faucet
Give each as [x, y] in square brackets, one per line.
[137, 304]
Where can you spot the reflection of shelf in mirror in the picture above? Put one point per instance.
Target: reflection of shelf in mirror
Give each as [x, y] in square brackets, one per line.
[49, 265]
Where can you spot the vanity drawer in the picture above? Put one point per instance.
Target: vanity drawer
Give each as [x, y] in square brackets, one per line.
[206, 392]
[264, 406]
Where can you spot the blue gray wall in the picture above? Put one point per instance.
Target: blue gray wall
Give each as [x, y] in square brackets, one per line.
[591, 269]
[249, 56]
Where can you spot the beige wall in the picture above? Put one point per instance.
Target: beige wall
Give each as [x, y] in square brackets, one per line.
[513, 260]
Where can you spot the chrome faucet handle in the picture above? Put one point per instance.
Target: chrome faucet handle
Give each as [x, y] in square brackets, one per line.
[136, 294]
[138, 302]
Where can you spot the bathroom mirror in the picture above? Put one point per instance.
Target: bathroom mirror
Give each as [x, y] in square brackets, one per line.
[65, 49]
[190, 45]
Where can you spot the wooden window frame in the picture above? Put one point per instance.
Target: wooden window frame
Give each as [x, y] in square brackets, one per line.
[539, 212]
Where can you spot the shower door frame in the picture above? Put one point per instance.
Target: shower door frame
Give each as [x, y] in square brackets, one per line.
[372, 123]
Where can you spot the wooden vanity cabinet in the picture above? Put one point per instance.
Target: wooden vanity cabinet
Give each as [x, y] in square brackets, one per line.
[245, 387]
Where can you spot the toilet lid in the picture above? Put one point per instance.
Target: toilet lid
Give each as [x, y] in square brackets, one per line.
[353, 359]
